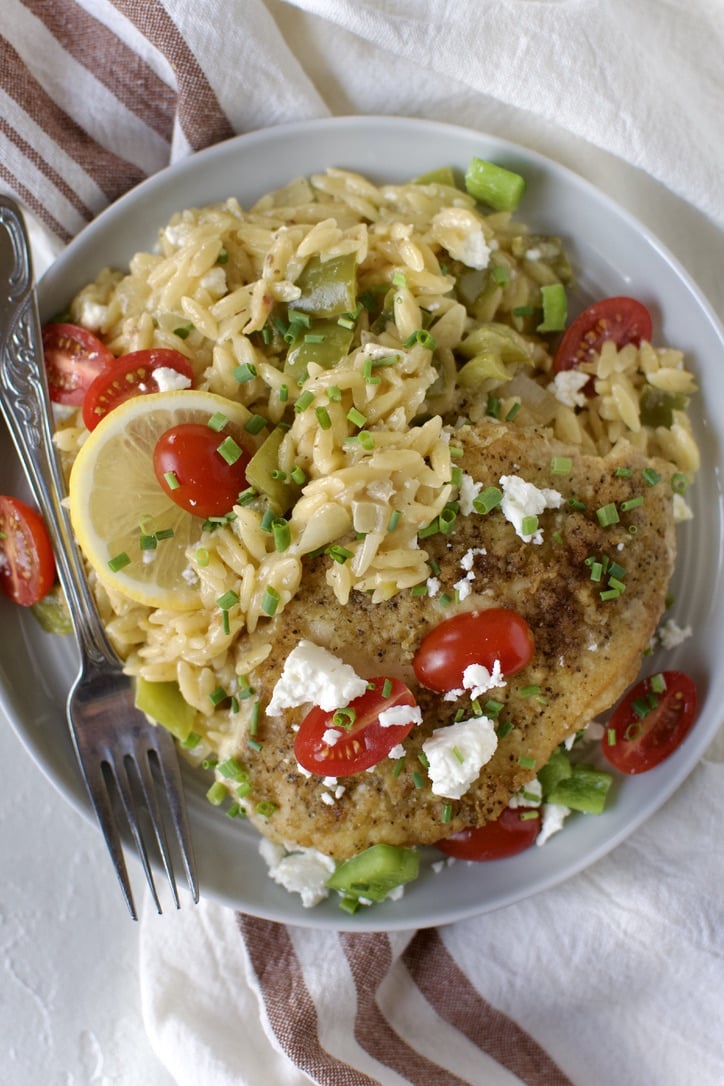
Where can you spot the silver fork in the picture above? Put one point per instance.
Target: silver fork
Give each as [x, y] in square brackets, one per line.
[130, 766]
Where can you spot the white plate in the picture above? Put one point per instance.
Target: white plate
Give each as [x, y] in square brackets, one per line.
[612, 254]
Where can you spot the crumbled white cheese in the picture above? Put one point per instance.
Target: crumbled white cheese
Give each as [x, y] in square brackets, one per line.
[521, 500]
[93, 315]
[312, 674]
[463, 588]
[477, 680]
[466, 562]
[467, 493]
[397, 752]
[461, 232]
[433, 585]
[554, 815]
[214, 281]
[304, 871]
[190, 575]
[400, 714]
[530, 795]
[567, 387]
[682, 510]
[331, 736]
[456, 754]
[671, 634]
[170, 380]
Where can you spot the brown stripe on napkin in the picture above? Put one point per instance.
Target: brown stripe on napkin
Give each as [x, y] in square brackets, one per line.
[370, 958]
[453, 997]
[125, 74]
[289, 1006]
[112, 175]
[200, 114]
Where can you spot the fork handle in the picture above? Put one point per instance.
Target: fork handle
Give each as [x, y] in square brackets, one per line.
[25, 404]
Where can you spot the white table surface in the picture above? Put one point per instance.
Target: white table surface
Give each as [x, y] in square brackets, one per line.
[69, 994]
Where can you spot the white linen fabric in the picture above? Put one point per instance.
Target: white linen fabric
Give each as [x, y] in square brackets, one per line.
[616, 976]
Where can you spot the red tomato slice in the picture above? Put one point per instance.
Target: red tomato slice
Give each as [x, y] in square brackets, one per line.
[651, 722]
[130, 375]
[193, 472]
[473, 637]
[509, 834]
[27, 565]
[364, 743]
[624, 320]
[73, 358]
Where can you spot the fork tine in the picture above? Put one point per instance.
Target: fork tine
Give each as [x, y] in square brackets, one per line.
[119, 772]
[168, 765]
[143, 768]
[97, 786]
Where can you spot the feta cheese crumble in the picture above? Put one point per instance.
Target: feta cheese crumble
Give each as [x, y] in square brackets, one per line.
[461, 232]
[304, 871]
[554, 815]
[170, 380]
[457, 753]
[477, 680]
[521, 500]
[567, 387]
[400, 714]
[312, 674]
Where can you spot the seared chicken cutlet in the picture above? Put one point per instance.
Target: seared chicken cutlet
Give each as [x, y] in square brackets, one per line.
[591, 583]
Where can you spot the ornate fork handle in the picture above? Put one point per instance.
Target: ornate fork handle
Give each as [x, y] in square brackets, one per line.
[25, 404]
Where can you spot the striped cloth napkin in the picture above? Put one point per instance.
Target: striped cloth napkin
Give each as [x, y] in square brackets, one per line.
[616, 976]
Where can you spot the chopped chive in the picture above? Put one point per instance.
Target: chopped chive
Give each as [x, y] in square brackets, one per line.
[255, 424]
[297, 317]
[399, 280]
[171, 480]
[398, 767]
[283, 393]
[117, 563]
[223, 257]
[488, 499]
[304, 401]
[493, 708]
[323, 418]
[596, 571]
[459, 756]
[192, 740]
[514, 409]
[236, 810]
[523, 310]
[610, 594]
[164, 533]
[651, 476]
[216, 794]
[282, 534]
[500, 274]
[266, 808]
[561, 465]
[529, 525]
[679, 483]
[298, 475]
[356, 417]
[529, 691]
[246, 497]
[346, 322]
[334, 394]
[218, 421]
[611, 737]
[233, 768]
[314, 337]
[228, 600]
[493, 406]
[270, 601]
[254, 744]
[623, 473]
[423, 337]
[526, 762]
[607, 515]
[339, 553]
[218, 695]
[527, 816]
[387, 688]
[446, 813]
[183, 331]
[229, 450]
[394, 520]
[631, 503]
[225, 623]
[147, 542]
[419, 589]
[344, 718]
[658, 683]
[576, 503]
[418, 780]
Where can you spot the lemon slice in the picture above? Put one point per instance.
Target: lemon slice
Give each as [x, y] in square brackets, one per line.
[115, 497]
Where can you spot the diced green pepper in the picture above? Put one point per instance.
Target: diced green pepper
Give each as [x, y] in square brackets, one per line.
[329, 287]
[585, 790]
[557, 768]
[658, 406]
[442, 176]
[494, 185]
[325, 342]
[555, 308]
[281, 492]
[373, 873]
[165, 704]
[52, 612]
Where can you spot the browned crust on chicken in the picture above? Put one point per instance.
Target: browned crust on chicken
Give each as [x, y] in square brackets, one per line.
[587, 650]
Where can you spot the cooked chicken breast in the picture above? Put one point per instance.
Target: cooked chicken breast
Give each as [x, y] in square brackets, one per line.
[587, 649]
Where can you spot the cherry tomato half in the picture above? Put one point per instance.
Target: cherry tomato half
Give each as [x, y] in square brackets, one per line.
[473, 637]
[73, 358]
[193, 472]
[514, 831]
[130, 375]
[650, 722]
[624, 320]
[365, 741]
[27, 565]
